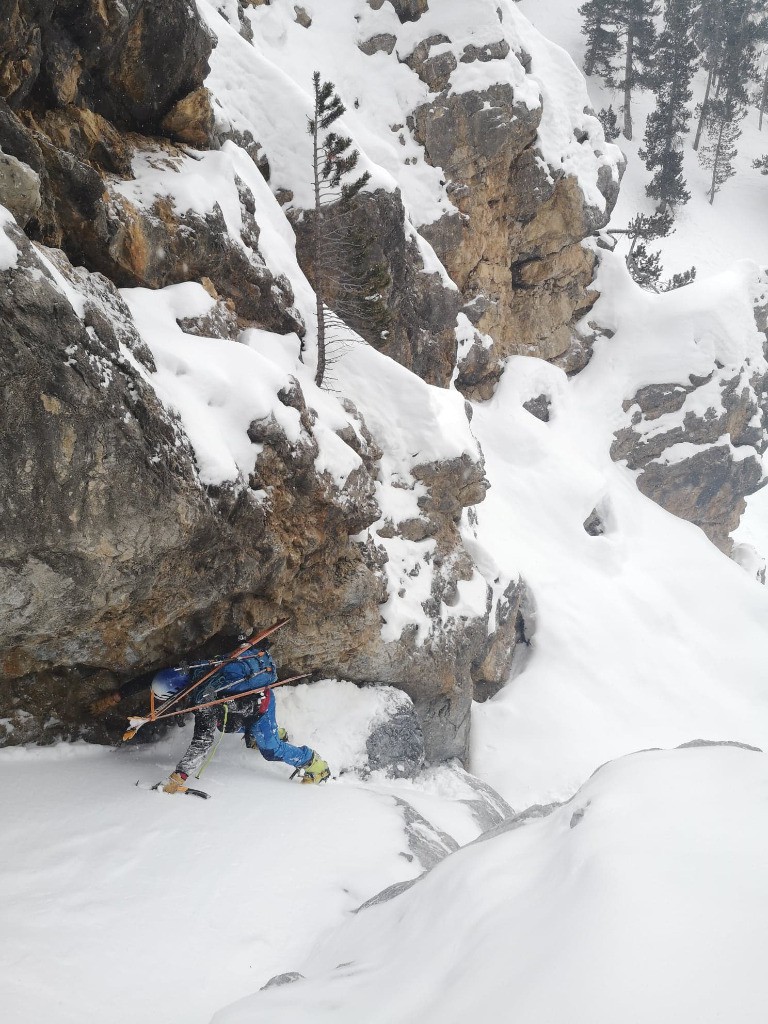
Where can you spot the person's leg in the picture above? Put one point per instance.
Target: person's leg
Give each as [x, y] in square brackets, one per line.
[206, 723]
[265, 733]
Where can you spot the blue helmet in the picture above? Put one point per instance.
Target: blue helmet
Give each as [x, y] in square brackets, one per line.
[169, 681]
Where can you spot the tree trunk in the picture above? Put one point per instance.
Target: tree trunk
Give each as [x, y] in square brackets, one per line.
[628, 83]
[763, 99]
[704, 106]
[715, 162]
[316, 257]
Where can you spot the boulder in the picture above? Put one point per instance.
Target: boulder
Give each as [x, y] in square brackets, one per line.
[19, 188]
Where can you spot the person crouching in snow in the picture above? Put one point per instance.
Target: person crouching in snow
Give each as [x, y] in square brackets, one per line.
[253, 715]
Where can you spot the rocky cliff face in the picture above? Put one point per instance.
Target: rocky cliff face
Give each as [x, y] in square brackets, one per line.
[126, 546]
[117, 557]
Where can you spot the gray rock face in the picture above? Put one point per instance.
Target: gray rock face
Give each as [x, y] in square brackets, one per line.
[384, 42]
[283, 979]
[428, 845]
[707, 480]
[409, 10]
[79, 157]
[112, 58]
[113, 555]
[156, 246]
[417, 311]
[434, 70]
[500, 656]
[539, 407]
[115, 560]
[719, 743]
[396, 745]
[19, 188]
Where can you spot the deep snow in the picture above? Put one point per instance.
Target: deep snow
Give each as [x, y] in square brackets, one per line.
[644, 899]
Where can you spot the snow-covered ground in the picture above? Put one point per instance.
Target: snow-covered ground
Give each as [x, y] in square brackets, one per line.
[125, 905]
[646, 635]
[711, 237]
[643, 899]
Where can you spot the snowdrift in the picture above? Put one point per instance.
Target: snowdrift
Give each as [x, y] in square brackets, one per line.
[634, 901]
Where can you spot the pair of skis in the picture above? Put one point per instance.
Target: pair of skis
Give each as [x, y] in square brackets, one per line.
[135, 723]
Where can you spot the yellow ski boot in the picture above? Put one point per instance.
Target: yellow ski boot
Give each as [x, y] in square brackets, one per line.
[316, 770]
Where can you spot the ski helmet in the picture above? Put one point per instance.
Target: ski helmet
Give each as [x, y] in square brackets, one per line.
[169, 681]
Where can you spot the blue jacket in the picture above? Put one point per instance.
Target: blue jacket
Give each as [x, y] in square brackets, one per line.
[254, 669]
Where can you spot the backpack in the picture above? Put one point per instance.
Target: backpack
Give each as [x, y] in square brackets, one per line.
[248, 672]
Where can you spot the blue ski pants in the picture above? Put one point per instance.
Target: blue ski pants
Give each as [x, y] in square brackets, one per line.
[255, 717]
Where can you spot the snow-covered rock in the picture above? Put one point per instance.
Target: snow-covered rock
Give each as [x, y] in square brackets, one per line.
[697, 405]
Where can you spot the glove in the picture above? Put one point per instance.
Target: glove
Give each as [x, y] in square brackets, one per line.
[104, 703]
[316, 770]
[282, 734]
[175, 783]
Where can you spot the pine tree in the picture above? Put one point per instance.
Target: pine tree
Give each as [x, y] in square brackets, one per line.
[639, 50]
[725, 111]
[601, 24]
[675, 62]
[607, 118]
[709, 33]
[729, 33]
[621, 40]
[719, 151]
[333, 161]
[679, 280]
[643, 264]
[763, 95]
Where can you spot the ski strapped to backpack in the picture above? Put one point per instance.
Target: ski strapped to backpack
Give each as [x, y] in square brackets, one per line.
[134, 724]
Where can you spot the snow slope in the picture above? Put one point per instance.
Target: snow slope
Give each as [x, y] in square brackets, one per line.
[644, 899]
[124, 905]
[646, 635]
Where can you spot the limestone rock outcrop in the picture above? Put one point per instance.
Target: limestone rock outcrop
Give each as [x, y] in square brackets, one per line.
[698, 447]
[417, 307]
[514, 247]
[698, 443]
[109, 57]
[118, 556]
[117, 559]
